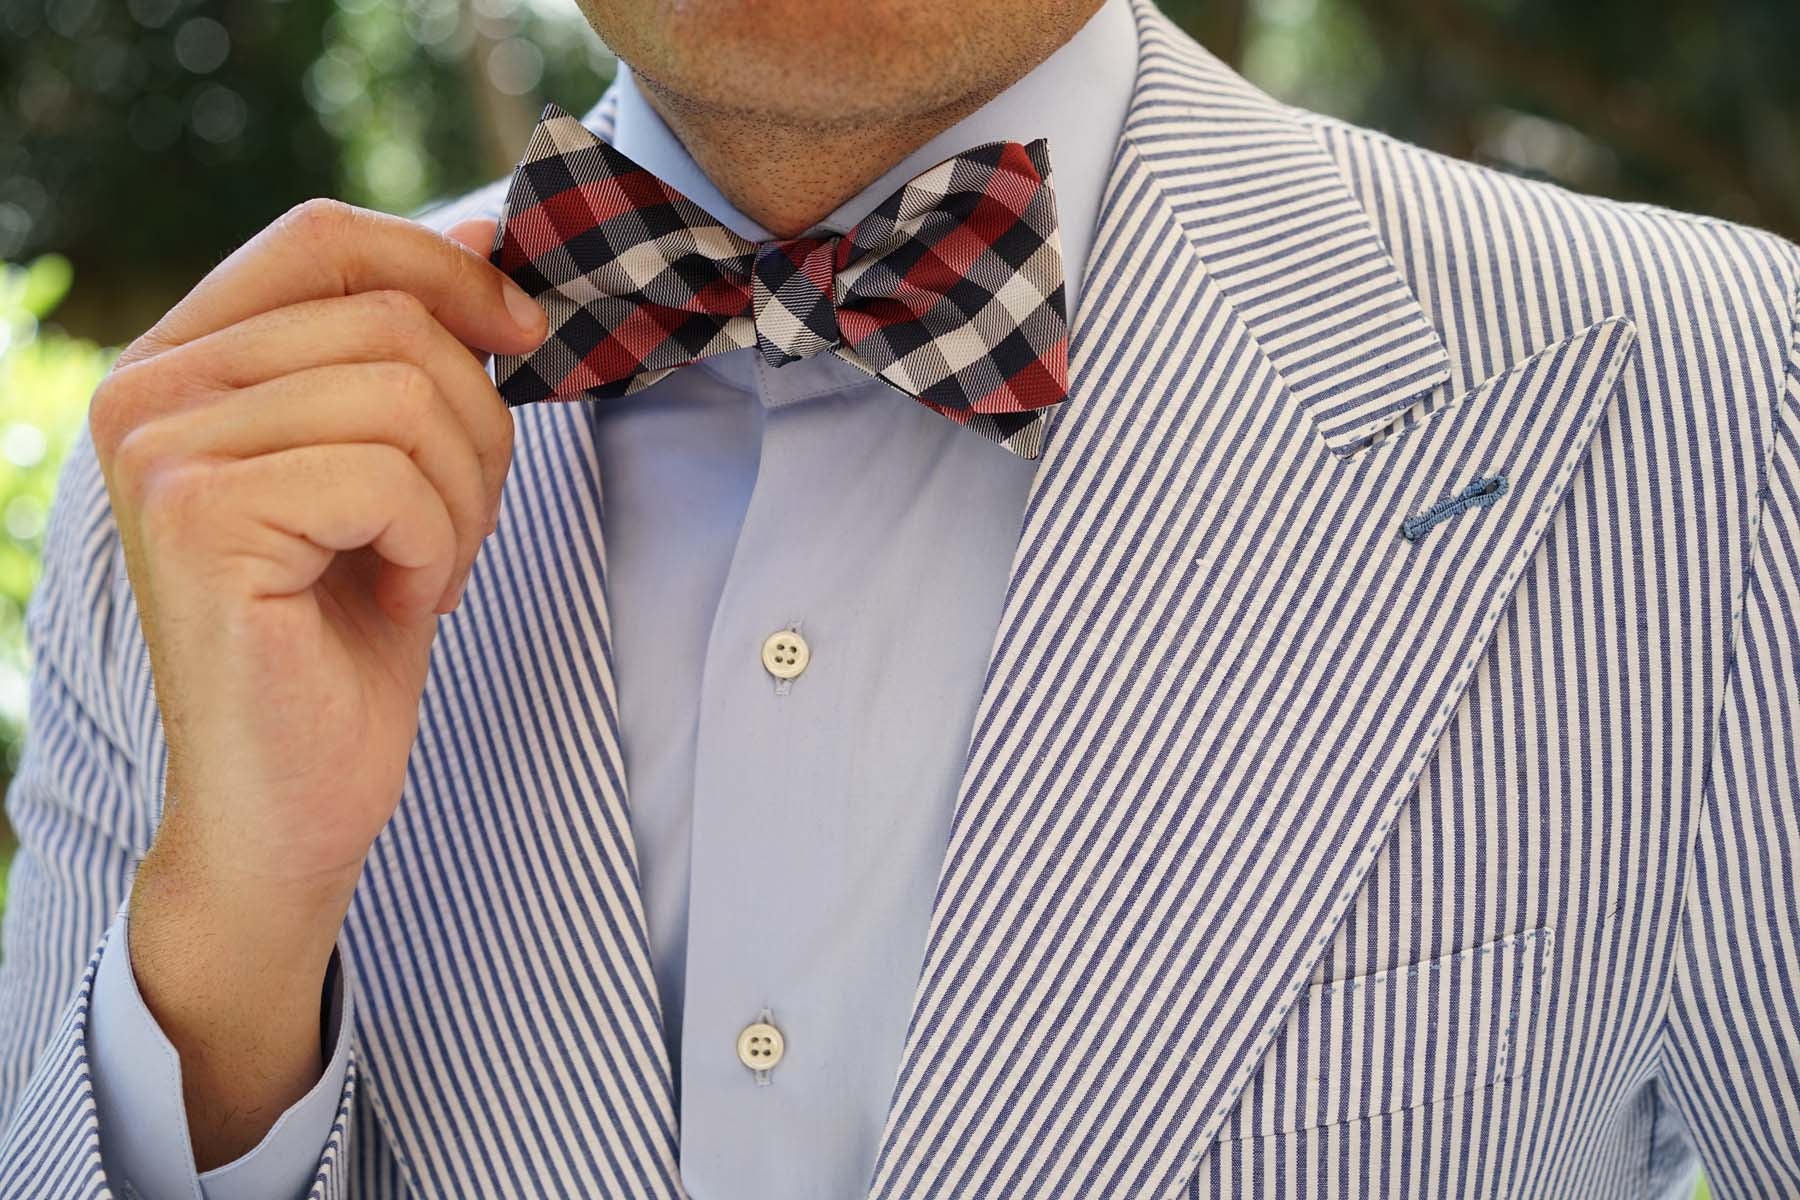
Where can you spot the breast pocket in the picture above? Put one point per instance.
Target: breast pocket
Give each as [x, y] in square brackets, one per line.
[1375, 1044]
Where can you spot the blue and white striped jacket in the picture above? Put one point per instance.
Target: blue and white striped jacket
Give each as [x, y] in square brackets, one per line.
[1294, 856]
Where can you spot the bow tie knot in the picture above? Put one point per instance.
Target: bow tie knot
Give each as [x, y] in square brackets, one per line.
[950, 291]
[791, 298]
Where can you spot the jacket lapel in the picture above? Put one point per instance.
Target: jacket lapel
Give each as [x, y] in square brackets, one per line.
[1221, 665]
[506, 1010]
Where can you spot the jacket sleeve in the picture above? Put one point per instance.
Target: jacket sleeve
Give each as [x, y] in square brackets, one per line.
[82, 819]
[1731, 1045]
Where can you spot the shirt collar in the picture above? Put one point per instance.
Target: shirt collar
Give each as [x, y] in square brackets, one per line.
[1076, 99]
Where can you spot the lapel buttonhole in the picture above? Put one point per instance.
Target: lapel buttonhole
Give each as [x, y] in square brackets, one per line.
[1480, 494]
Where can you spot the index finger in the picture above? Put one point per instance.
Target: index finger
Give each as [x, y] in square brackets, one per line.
[324, 248]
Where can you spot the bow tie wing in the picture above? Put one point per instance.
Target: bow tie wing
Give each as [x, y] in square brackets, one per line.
[636, 278]
[952, 291]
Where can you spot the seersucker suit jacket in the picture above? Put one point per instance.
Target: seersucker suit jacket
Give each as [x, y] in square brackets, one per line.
[1300, 850]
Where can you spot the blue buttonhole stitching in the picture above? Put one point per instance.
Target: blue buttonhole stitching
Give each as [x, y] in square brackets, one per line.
[1479, 494]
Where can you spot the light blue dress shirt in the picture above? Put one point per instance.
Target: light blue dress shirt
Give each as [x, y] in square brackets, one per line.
[789, 833]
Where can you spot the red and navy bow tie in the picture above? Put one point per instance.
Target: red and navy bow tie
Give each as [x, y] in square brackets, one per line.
[951, 290]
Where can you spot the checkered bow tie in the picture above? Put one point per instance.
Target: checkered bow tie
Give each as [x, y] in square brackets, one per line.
[951, 290]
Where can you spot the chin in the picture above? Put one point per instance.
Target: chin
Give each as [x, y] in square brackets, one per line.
[823, 61]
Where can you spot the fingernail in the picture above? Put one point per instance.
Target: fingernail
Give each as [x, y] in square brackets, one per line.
[525, 311]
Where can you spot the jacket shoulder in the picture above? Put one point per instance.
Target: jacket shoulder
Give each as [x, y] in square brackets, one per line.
[1640, 241]
[1506, 264]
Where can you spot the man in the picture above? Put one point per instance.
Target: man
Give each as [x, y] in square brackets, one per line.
[1342, 748]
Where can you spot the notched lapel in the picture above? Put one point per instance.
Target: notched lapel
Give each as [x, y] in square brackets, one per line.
[1285, 239]
[1219, 673]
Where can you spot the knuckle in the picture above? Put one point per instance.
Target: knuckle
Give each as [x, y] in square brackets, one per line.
[402, 319]
[497, 455]
[148, 344]
[103, 416]
[502, 442]
[115, 408]
[317, 218]
[411, 390]
[138, 455]
[391, 462]
[170, 500]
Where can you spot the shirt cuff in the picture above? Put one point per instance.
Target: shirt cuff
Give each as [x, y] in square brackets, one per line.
[136, 1074]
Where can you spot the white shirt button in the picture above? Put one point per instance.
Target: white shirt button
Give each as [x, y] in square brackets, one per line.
[760, 1046]
[785, 654]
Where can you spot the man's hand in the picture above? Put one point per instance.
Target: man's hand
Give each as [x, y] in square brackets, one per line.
[303, 458]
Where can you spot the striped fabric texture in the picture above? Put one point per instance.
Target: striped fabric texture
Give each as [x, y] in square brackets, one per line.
[950, 291]
[1293, 857]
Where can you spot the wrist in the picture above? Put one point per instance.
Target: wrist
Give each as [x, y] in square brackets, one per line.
[234, 954]
[266, 875]
[233, 972]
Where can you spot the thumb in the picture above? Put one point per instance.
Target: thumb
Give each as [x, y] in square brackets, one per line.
[476, 233]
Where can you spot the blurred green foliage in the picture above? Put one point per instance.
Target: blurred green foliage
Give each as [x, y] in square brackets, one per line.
[145, 139]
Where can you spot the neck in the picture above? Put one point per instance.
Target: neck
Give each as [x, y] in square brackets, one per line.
[789, 177]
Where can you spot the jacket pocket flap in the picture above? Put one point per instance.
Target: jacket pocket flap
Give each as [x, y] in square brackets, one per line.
[1376, 1044]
